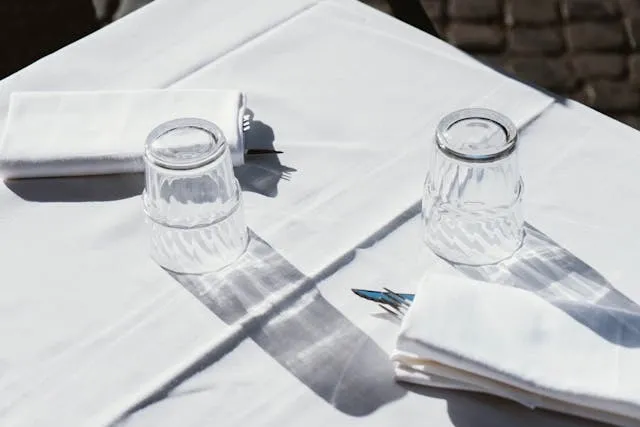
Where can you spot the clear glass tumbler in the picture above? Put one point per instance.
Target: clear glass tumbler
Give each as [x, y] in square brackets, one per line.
[192, 199]
[471, 206]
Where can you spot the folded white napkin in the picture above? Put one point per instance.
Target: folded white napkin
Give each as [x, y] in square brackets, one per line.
[93, 133]
[464, 334]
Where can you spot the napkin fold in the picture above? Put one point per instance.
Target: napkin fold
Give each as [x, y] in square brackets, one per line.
[479, 336]
[92, 133]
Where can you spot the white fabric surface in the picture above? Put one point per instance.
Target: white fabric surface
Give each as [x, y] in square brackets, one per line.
[95, 334]
[49, 134]
[513, 343]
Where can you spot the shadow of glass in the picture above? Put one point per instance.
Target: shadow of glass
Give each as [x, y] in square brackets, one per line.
[300, 329]
[559, 277]
[262, 171]
[98, 188]
[266, 299]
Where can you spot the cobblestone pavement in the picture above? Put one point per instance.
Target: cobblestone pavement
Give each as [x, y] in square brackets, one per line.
[588, 50]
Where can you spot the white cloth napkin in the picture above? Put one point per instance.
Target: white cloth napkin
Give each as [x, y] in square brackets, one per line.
[465, 334]
[93, 133]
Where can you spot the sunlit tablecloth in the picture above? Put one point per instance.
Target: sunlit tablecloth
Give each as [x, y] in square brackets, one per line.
[94, 333]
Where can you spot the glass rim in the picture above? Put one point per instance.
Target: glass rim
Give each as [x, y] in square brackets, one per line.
[217, 148]
[448, 121]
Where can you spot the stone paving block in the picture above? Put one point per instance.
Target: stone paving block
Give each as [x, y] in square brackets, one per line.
[596, 36]
[577, 10]
[552, 73]
[434, 9]
[532, 12]
[475, 9]
[632, 26]
[536, 40]
[599, 65]
[630, 7]
[475, 37]
[613, 96]
[634, 70]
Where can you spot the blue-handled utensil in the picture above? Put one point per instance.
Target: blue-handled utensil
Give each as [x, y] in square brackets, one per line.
[392, 302]
[382, 297]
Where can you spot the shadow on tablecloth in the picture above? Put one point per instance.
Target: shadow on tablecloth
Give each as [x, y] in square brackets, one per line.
[554, 274]
[261, 174]
[98, 188]
[266, 299]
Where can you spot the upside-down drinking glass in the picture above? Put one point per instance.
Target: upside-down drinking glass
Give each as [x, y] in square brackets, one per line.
[192, 199]
[471, 206]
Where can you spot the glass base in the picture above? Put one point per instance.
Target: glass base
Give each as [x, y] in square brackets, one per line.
[199, 250]
[477, 259]
[474, 239]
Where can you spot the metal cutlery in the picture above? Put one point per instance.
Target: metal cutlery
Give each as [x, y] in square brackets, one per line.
[394, 303]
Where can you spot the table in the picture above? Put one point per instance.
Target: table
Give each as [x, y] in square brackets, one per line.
[95, 334]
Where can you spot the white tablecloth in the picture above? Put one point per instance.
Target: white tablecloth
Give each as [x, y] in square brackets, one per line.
[94, 334]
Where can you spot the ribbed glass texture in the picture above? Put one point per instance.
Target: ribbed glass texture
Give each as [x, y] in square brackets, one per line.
[472, 199]
[192, 199]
